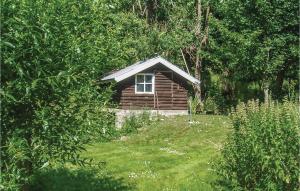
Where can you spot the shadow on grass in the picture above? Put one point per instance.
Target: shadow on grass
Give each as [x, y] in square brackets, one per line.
[63, 179]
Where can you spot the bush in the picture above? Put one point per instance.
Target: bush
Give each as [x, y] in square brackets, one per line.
[262, 153]
[134, 122]
[106, 130]
[210, 106]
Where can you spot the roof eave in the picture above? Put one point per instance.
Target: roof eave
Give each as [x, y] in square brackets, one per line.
[150, 63]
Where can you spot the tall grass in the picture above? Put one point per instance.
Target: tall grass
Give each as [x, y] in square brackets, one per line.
[263, 151]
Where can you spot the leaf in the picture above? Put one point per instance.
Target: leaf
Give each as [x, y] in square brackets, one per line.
[61, 73]
[34, 83]
[8, 44]
[10, 96]
[45, 165]
[68, 79]
[27, 90]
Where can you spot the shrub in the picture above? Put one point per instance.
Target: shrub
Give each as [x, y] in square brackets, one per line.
[50, 97]
[210, 106]
[106, 130]
[134, 122]
[263, 151]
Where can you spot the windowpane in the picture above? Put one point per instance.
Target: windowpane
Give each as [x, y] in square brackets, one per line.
[140, 78]
[149, 78]
[140, 87]
[148, 88]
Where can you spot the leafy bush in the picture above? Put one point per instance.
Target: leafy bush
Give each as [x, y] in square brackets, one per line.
[53, 53]
[263, 151]
[51, 101]
[107, 130]
[210, 106]
[134, 122]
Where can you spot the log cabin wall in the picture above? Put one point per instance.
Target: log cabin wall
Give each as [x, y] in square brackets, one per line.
[170, 92]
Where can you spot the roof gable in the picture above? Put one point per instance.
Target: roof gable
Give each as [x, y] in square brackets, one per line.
[143, 65]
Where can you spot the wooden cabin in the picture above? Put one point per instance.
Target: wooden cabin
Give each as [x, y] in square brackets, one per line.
[153, 84]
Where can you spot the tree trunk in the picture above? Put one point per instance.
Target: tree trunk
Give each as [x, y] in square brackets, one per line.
[266, 92]
[198, 62]
[279, 82]
[151, 8]
[193, 52]
[198, 77]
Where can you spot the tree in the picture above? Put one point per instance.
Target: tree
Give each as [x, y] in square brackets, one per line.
[260, 39]
[53, 54]
[182, 29]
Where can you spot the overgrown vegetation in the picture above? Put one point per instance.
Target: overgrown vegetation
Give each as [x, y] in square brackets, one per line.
[134, 122]
[53, 54]
[263, 151]
[51, 103]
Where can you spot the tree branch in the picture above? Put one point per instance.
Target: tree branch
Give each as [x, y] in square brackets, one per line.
[187, 68]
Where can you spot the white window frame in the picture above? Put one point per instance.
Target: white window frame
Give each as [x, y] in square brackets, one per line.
[153, 85]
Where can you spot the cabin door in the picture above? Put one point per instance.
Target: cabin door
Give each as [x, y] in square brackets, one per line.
[163, 91]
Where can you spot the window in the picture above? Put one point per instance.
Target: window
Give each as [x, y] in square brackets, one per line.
[144, 83]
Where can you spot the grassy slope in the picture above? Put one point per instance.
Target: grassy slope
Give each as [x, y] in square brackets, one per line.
[168, 155]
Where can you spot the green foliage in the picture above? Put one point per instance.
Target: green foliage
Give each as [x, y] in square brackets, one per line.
[195, 105]
[255, 41]
[289, 88]
[215, 102]
[77, 179]
[263, 151]
[52, 55]
[210, 106]
[106, 130]
[134, 122]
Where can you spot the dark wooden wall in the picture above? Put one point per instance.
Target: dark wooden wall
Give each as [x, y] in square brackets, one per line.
[170, 92]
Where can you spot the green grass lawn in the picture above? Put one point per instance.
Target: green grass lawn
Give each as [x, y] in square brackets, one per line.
[167, 155]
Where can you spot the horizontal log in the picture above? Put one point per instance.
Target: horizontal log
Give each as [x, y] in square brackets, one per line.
[138, 95]
[152, 102]
[161, 108]
[163, 81]
[137, 101]
[173, 108]
[137, 105]
[134, 97]
[163, 87]
[163, 84]
[179, 105]
[151, 96]
[180, 98]
[163, 101]
[180, 93]
[163, 91]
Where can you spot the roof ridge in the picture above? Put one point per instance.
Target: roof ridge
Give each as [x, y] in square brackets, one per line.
[142, 65]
